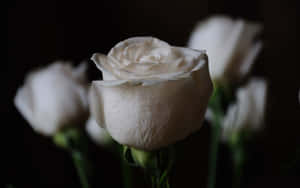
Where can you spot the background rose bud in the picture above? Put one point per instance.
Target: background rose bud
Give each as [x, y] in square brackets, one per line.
[153, 94]
[99, 135]
[230, 46]
[249, 110]
[53, 97]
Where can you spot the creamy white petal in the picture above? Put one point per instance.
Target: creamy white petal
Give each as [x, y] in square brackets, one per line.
[99, 135]
[147, 58]
[152, 116]
[136, 47]
[102, 63]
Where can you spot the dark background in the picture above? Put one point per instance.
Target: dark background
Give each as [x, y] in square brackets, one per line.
[40, 32]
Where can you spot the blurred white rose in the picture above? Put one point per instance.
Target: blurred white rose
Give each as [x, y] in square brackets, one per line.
[153, 94]
[99, 135]
[248, 112]
[230, 45]
[53, 97]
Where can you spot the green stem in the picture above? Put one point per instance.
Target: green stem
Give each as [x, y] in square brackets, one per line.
[157, 164]
[215, 137]
[126, 174]
[156, 183]
[80, 164]
[126, 170]
[160, 175]
[237, 174]
[238, 154]
[74, 141]
[153, 182]
[216, 107]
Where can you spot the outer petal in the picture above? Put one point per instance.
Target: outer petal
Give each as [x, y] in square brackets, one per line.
[244, 50]
[248, 61]
[249, 110]
[218, 36]
[102, 63]
[230, 124]
[150, 116]
[99, 135]
[25, 104]
[254, 96]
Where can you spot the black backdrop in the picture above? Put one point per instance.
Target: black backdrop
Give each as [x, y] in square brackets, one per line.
[43, 31]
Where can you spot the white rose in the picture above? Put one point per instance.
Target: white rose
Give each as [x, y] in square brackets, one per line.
[249, 110]
[230, 46]
[53, 97]
[153, 94]
[99, 135]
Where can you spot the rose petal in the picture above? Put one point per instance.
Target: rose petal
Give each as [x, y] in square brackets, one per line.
[102, 63]
[151, 116]
[98, 135]
[112, 70]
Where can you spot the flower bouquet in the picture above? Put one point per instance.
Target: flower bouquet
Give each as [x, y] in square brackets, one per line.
[151, 97]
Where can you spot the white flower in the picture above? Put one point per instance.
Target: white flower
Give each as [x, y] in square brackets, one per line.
[53, 97]
[99, 135]
[153, 94]
[249, 110]
[230, 46]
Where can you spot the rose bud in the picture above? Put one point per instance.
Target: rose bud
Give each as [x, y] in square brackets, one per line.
[230, 46]
[248, 112]
[53, 97]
